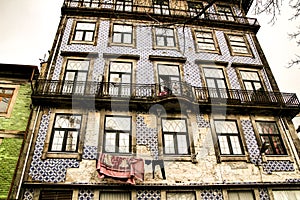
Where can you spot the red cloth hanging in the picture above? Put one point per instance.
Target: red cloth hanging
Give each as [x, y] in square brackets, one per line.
[120, 168]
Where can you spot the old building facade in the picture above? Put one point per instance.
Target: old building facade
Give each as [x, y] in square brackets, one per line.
[15, 100]
[159, 100]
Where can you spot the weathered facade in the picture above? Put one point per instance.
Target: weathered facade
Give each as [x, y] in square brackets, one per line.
[159, 100]
[15, 100]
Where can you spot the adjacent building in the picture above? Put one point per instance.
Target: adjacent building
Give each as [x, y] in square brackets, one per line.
[15, 100]
[157, 100]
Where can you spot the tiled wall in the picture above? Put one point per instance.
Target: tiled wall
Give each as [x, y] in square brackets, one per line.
[145, 69]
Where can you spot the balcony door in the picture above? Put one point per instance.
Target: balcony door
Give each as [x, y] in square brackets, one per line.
[255, 90]
[169, 79]
[124, 5]
[75, 77]
[225, 12]
[120, 78]
[161, 7]
[216, 83]
[251, 80]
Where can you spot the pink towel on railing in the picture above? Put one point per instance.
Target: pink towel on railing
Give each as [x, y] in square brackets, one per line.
[120, 168]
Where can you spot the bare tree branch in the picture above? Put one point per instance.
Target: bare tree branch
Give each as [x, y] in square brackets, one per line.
[294, 62]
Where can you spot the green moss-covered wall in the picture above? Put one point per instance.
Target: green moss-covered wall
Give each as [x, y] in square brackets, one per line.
[21, 110]
[9, 153]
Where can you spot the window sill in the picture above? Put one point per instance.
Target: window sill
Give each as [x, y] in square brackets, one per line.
[5, 115]
[277, 158]
[208, 51]
[63, 155]
[83, 42]
[179, 158]
[233, 158]
[242, 54]
[165, 48]
[122, 45]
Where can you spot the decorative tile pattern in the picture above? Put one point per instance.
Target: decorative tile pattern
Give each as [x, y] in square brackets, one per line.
[282, 165]
[86, 194]
[89, 152]
[232, 76]
[148, 195]
[266, 80]
[145, 72]
[28, 194]
[251, 141]
[147, 136]
[263, 194]
[201, 122]
[49, 170]
[209, 194]
[295, 180]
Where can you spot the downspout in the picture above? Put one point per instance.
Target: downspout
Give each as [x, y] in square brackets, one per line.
[27, 154]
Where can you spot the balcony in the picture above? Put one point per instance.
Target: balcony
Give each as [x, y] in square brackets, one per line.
[156, 93]
[160, 12]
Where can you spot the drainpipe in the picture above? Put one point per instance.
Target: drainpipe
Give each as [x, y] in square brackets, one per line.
[27, 154]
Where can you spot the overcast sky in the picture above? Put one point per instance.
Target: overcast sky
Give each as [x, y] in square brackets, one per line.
[28, 28]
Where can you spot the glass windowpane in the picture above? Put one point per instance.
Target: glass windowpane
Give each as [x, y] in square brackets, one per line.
[110, 142]
[72, 141]
[223, 145]
[124, 143]
[169, 144]
[89, 36]
[235, 144]
[78, 35]
[182, 144]
[117, 37]
[57, 141]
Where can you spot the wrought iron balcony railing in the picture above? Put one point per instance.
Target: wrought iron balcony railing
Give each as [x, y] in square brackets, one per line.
[170, 90]
[246, 97]
[140, 7]
[109, 89]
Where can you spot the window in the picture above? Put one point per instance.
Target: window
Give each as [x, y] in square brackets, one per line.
[229, 139]
[6, 95]
[286, 194]
[56, 195]
[195, 8]
[120, 78]
[65, 133]
[206, 41]
[90, 3]
[161, 7]
[122, 34]
[169, 79]
[75, 76]
[269, 133]
[238, 45]
[181, 196]
[251, 80]
[165, 37]
[117, 135]
[240, 195]
[225, 12]
[84, 32]
[115, 196]
[215, 82]
[124, 5]
[175, 137]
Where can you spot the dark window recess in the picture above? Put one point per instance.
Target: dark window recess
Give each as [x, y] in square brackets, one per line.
[56, 195]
